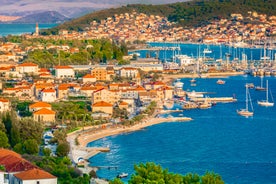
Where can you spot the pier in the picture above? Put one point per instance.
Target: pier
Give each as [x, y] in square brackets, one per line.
[215, 99]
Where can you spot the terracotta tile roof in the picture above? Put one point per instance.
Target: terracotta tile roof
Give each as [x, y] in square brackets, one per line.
[102, 104]
[5, 152]
[63, 67]
[34, 174]
[44, 111]
[27, 64]
[4, 100]
[48, 91]
[40, 104]
[15, 164]
[43, 70]
[123, 103]
[88, 76]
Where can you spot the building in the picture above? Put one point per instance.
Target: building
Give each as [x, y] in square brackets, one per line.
[20, 171]
[29, 68]
[100, 74]
[34, 176]
[39, 105]
[102, 106]
[48, 95]
[4, 105]
[89, 78]
[64, 72]
[45, 115]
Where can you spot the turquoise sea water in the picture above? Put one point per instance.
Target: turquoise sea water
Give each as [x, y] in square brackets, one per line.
[17, 29]
[242, 150]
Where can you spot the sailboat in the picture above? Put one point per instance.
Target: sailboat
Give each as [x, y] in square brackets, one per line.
[260, 88]
[266, 102]
[246, 112]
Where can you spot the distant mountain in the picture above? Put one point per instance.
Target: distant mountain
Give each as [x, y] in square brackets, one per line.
[192, 13]
[43, 17]
[69, 8]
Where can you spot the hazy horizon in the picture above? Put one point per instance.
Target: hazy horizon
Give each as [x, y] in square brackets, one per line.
[69, 8]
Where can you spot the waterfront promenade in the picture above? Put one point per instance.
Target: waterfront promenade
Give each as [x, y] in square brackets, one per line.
[93, 133]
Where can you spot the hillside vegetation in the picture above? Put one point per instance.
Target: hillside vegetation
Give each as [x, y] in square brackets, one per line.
[186, 14]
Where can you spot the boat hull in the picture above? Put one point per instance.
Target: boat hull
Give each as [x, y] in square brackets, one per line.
[244, 112]
[265, 103]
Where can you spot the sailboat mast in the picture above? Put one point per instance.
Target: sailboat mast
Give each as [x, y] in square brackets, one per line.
[266, 90]
[246, 99]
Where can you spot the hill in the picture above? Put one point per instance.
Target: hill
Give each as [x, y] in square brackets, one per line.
[193, 13]
[42, 17]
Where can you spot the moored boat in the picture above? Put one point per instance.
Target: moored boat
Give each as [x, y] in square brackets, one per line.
[220, 81]
[266, 102]
[122, 175]
[246, 112]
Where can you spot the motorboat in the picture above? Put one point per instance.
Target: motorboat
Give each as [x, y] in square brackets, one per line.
[122, 175]
[220, 81]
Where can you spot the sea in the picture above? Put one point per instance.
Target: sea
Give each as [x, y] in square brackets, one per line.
[240, 149]
[18, 29]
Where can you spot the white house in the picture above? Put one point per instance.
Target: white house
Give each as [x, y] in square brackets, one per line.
[64, 72]
[48, 95]
[129, 72]
[30, 68]
[34, 176]
[4, 105]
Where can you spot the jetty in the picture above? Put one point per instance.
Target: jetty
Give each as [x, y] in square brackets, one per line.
[214, 100]
[169, 111]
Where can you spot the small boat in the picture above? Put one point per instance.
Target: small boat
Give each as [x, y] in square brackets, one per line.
[207, 51]
[220, 81]
[250, 85]
[193, 80]
[189, 105]
[260, 88]
[246, 112]
[205, 105]
[194, 94]
[178, 84]
[266, 102]
[122, 175]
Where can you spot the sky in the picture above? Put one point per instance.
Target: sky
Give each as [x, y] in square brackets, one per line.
[69, 8]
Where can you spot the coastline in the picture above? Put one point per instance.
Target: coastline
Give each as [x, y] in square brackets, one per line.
[93, 133]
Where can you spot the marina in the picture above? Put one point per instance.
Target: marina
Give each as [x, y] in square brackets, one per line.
[218, 128]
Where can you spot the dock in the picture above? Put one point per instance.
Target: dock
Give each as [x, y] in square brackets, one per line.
[179, 119]
[215, 99]
[169, 111]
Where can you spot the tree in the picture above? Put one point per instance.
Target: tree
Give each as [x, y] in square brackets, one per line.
[46, 152]
[63, 149]
[30, 129]
[31, 147]
[4, 141]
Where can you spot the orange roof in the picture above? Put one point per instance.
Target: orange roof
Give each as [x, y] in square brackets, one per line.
[123, 103]
[43, 70]
[6, 152]
[15, 164]
[48, 90]
[88, 76]
[34, 174]
[102, 104]
[40, 104]
[63, 67]
[140, 88]
[3, 100]
[28, 64]
[45, 111]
